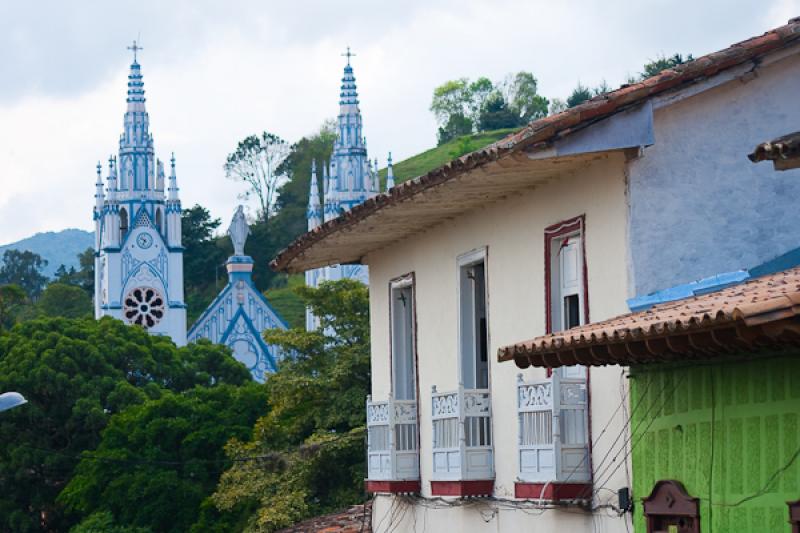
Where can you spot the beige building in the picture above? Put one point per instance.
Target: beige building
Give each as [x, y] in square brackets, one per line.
[546, 230]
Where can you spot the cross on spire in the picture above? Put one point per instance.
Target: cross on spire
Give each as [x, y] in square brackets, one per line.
[136, 48]
[348, 55]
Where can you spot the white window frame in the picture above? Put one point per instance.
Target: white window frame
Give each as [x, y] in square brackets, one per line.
[473, 257]
[403, 283]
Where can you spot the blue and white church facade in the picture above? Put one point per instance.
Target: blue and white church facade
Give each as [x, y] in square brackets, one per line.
[138, 253]
[348, 179]
[239, 314]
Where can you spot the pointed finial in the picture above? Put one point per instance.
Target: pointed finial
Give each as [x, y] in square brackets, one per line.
[135, 47]
[348, 55]
[389, 173]
[99, 172]
[172, 162]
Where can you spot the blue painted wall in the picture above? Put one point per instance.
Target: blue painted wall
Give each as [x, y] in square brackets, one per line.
[698, 205]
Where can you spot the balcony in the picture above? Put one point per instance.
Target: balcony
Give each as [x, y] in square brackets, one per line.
[553, 437]
[463, 462]
[392, 446]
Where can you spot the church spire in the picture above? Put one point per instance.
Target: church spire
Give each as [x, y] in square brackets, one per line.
[314, 214]
[99, 196]
[137, 166]
[389, 173]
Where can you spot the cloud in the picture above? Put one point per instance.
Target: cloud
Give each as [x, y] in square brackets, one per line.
[217, 71]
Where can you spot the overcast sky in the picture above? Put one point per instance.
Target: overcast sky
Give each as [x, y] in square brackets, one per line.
[216, 72]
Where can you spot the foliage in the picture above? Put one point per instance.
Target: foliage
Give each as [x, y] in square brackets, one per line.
[461, 106]
[255, 162]
[60, 299]
[12, 299]
[158, 461]
[285, 301]
[579, 95]
[83, 277]
[436, 157]
[311, 441]
[653, 67]
[23, 268]
[103, 522]
[76, 374]
[203, 258]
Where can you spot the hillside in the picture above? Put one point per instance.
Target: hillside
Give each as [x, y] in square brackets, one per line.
[57, 247]
[435, 157]
[286, 303]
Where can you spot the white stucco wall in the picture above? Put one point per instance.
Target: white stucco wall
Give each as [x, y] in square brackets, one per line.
[698, 206]
[513, 231]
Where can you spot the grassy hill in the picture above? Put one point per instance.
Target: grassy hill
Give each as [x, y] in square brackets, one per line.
[435, 157]
[288, 305]
[57, 247]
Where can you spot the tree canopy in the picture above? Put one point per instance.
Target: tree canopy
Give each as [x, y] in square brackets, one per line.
[462, 107]
[24, 269]
[76, 374]
[311, 441]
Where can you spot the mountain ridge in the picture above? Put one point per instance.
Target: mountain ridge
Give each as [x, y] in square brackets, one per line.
[56, 247]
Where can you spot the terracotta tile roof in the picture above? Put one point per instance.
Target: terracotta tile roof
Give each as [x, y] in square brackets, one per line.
[784, 152]
[545, 130]
[356, 519]
[759, 313]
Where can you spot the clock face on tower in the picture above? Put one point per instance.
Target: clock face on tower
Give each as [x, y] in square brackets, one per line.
[143, 306]
[144, 240]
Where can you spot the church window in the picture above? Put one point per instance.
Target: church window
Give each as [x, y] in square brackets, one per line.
[403, 317]
[473, 320]
[123, 223]
[159, 221]
[144, 306]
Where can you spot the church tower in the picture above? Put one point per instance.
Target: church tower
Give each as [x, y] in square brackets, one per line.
[138, 253]
[348, 180]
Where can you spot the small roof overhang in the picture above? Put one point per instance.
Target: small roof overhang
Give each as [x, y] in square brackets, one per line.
[784, 152]
[759, 314]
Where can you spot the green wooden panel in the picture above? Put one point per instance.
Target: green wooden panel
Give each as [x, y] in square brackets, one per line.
[744, 415]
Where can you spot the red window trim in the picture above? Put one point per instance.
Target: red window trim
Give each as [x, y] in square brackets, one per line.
[394, 487]
[466, 487]
[551, 233]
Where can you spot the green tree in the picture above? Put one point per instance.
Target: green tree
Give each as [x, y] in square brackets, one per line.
[523, 99]
[69, 301]
[579, 95]
[12, 299]
[311, 441]
[651, 68]
[457, 125]
[255, 162]
[203, 257]
[76, 374]
[23, 268]
[496, 114]
[451, 105]
[158, 461]
[83, 277]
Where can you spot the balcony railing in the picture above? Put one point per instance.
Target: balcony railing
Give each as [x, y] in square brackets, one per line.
[553, 430]
[462, 434]
[392, 440]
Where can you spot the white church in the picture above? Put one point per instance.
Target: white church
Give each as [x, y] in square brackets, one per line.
[139, 257]
[137, 218]
[348, 180]
[138, 251]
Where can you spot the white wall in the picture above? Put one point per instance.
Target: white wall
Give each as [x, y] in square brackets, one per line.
[513, 230]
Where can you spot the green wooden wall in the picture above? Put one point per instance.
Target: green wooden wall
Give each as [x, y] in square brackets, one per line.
[755, 409]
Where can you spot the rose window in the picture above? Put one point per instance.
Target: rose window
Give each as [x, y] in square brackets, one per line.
[144, 306]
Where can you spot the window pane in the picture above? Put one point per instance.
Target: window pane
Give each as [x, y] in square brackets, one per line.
[572, 313]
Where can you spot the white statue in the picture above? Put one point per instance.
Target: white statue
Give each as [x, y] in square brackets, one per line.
[238, 230]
